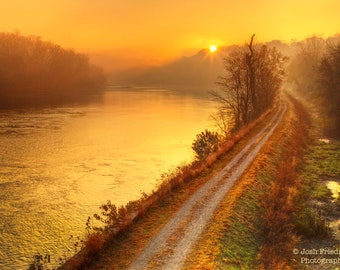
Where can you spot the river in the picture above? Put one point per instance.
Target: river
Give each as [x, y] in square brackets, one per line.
[58, 165]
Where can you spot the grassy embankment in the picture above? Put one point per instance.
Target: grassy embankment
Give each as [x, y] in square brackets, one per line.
[275, 207]
[264, 217]
[152, 212]
[321, 181]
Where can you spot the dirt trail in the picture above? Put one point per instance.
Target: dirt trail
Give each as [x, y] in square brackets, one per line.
[169, 248]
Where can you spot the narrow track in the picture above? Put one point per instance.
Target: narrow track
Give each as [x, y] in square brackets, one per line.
[170, 247]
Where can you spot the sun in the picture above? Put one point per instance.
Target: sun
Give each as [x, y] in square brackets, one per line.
[213, 48]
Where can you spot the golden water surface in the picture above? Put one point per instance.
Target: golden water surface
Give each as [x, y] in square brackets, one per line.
[58, 165]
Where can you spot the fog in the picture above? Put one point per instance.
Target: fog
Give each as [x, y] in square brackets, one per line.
[37, 72]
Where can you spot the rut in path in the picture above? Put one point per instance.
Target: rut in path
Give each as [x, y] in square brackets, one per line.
[169, 248]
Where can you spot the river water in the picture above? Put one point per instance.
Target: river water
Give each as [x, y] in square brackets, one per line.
[58, 165]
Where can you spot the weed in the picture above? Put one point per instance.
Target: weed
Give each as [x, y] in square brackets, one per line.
[310, 223]
[40, 262]
[284, 199]
[320, 193]
[117, 219]
[93, 244]
[44, 262]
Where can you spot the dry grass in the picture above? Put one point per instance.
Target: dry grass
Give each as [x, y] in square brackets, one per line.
[128, 218]
[257, 212]
[281, 202]
[93, 244]
[230, 241]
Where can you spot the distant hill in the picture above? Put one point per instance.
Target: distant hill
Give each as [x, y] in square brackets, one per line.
[195, 74]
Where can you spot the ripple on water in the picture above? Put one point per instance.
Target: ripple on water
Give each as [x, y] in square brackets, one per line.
[58, 165]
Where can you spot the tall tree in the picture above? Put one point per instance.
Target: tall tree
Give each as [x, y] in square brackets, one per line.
[252, 79]
[329, 82]
[303, 68]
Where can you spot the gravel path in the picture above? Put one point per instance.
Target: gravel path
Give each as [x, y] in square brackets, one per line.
[169, 248]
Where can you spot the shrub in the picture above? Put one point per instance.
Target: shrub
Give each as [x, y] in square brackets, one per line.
[206, 142]
[110, 216]
[94, 244]
[310, 224]
[40, 262]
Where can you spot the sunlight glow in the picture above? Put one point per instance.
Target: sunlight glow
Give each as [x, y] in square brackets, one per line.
[106, 29]
[213, 48]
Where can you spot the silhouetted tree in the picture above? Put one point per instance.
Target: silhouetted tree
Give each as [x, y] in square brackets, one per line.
[206, 142]
[329, 82]
[314, 72]
[303, 68]
[253, 77]
[31, 69]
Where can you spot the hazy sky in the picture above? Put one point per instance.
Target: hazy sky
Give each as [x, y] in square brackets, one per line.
[152, 31]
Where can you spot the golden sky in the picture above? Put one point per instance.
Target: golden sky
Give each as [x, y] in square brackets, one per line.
[152, 31]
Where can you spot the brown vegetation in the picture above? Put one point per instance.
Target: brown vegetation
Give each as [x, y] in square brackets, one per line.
[256, 225]
[282, 201]
[118, 220]
[252, 80]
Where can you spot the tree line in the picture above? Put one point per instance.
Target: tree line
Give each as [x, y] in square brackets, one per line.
[32, 69]
[314, 72]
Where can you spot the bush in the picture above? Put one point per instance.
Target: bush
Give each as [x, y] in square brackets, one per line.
[94, 244]
[310, 224]
[110, 216]
[206, 142]
[40, 262]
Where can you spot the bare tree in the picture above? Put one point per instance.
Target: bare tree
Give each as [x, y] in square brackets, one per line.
[252, 79]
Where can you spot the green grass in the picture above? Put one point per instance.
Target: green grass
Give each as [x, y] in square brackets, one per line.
[309, 223]
[243, 236]
[235, 236]
[241, 245]
[322, 163]
[241, 240]
[124, 247]
[323, 159]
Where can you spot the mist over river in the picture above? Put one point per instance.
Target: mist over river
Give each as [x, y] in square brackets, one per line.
[58, 165]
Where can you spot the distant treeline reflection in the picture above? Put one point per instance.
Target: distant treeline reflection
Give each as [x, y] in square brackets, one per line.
[36, 72]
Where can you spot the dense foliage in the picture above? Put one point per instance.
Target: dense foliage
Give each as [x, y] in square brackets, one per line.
[315, 72]
[206, 142]
[32, 69]
[329, 82]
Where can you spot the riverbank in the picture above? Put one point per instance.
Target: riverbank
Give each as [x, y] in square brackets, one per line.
[283, 208]
[243, 225]
[130, 241]
[259, 224]
[319, 245]
[60, 164]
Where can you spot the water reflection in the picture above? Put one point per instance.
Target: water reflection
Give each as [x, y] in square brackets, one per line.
[57, 165]
[334, 187]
